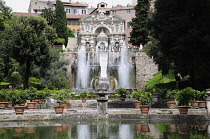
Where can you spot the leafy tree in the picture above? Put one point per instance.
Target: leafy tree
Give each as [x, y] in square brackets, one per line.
[5, 60]
[28, 41]
[61, 22]
[5, 11]
[70, 33]
[181, 35]
[54, 77]
[139, 33]
[49, 15]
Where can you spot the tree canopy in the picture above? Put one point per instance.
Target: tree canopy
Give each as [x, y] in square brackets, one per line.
[49, 15]
[181, 37]
[28, 40]
[61, 22]
[139, 33]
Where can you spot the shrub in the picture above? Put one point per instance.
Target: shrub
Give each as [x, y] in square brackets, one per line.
[122, 92]
[83, 94]
[145, 98]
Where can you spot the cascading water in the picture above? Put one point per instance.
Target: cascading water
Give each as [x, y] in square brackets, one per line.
[124, 69]
[83, 69]
[103, 63]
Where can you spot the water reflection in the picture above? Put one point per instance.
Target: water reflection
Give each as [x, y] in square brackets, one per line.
[104, 130]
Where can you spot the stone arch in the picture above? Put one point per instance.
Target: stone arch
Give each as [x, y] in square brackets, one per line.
[98, 27]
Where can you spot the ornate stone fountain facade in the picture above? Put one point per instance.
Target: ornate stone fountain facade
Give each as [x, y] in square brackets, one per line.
[102, 31]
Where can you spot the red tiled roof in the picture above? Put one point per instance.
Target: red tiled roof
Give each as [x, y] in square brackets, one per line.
[25, 14]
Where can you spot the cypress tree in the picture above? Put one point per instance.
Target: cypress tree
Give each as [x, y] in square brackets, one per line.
[139, 34]
[61, 22]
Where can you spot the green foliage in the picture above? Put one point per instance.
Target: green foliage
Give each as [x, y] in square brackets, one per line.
[158, 79]
[59, 40]
[34, 82]
[139, 33]
[55, 76]
[28, 41]
[33, 93]
[70, 33]
[61, 23]
[145, 98]
[49, 15]
[83, 94]
[181, 36]
[136, 94]
[62, 95]
[172, 94]
[185, 95]
[122, 92]
[18, 96]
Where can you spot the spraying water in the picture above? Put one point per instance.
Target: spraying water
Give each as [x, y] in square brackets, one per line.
[83, 69]
[103, 63]
[124, 69]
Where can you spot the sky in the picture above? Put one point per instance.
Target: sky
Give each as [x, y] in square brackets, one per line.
[22, 5]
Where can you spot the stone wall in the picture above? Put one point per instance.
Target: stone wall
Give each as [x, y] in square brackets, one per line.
[70, 57]
[145, 69]
[72, 44]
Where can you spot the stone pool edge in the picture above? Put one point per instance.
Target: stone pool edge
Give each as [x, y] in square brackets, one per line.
[78, 117]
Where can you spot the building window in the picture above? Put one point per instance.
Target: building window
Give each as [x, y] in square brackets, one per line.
[35, 3]
[75, 11]
[102, 6]
[68, 22]
[128, 24]
[83, 11]
[128, 11]
[68, 11]
[35, 11]
[114, 12]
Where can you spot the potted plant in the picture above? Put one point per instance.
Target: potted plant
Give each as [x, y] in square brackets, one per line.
[202, 97]
[145, 100]
[183, 98]
[83, 95]
[19, 98]
[136, 95]
[32, 92]
[3, 99]
[171, 96]
[62, 97]
[122, 93]
[91, 94]
[42, 94]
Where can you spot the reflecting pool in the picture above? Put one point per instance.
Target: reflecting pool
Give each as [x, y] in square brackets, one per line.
[102, 130]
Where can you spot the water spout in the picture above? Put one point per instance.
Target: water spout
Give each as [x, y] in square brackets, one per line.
[83, 69]
[124, 69]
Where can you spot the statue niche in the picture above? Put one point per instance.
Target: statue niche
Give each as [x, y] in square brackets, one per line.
[102, 41]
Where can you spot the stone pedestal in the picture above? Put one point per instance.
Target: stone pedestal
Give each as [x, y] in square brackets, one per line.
[102, 105]
[208, 101]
